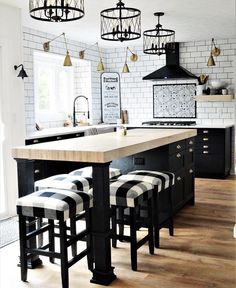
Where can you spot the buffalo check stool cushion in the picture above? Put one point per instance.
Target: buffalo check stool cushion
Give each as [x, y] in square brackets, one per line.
[65, 181]
[161, 180]
[88, 172]
[130, 193]
[56, 204]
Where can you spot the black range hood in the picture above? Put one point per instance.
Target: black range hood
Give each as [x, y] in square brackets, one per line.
[172, 70]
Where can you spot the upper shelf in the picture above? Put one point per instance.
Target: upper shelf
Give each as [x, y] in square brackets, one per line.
[214, 98]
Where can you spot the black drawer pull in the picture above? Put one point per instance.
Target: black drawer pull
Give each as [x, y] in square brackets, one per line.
[190, 150]
[205, 139]
[190, 142]
[190, 171]
[36, 171]
[205, 152]
[178, 146]
[205, 146]
[179, 178]
[58, 137]
[35, 141]
[205, 131]
[178, 155]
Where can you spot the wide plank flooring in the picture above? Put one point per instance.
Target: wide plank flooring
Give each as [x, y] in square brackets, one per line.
[201, 254]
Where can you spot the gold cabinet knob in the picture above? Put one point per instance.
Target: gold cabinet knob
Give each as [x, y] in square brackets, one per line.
[205, 139]
[190, 150]
[179, 178]
[190, 142]
[205, 131]
[178, 155]
[178, 146]
[205, 152]
[190, 171]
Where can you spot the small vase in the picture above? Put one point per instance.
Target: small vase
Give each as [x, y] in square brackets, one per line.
[200, 89]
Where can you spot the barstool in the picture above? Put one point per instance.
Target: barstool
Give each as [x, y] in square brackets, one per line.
[54, 204]
[88, 172]
[64, 181]
[131, 194]
[161, 181]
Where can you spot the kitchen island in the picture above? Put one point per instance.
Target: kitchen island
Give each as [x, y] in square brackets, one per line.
[98, 151]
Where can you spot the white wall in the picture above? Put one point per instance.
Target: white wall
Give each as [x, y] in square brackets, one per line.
[11, 97]
[33, 41]
[137, 95]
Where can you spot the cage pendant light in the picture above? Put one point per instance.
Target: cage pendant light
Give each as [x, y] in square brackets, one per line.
[120, 23]
[155, 40]
[56, 10]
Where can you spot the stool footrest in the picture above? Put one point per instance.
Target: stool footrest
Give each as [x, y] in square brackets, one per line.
[38, 231]
[78, 257]
[42, 252]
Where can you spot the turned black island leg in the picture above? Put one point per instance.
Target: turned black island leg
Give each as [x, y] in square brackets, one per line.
[103, 271]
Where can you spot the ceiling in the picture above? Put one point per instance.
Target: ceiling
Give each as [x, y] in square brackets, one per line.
[191, 19]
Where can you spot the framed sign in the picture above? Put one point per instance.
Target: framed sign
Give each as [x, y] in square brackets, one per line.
[174, 101]
[110, 90]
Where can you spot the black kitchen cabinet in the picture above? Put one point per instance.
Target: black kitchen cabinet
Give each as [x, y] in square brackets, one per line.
[177, 158]
[213, 153]
[53, 138]
[44, 169]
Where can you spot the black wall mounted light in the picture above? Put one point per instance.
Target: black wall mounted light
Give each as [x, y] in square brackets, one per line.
[56, 10]
[120, 23]
[22, 72]
[155, 40]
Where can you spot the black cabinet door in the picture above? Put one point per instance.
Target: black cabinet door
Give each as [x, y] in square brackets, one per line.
[178, 191]
[189, 184]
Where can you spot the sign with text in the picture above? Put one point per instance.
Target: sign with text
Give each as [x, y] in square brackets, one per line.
[110, 88]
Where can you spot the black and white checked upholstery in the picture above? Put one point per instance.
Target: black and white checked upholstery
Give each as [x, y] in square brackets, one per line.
[130, 193]
[65, 181]
[56, 204]
[161, 180]
[88, 172]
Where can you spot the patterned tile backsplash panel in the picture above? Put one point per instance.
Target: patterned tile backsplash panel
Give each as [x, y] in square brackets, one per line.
[174, 101]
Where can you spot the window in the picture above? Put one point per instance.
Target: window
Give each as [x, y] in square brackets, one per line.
[56, 86]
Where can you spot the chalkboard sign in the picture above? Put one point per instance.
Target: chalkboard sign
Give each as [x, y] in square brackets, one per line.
[110, 90]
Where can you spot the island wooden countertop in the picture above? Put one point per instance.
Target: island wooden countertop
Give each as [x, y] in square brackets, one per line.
[102, 148]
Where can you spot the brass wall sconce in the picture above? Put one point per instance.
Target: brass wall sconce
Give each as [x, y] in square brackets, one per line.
[133, 58]
[22, 72]
[215, 51]
[46, 48]
[100, 66]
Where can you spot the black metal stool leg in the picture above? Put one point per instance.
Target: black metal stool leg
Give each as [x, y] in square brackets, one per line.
[156, 211]
[121, 216]
[133, 240]
[73, 232]
[150, 227]
[64, 255]
[171, 224]
[23, 243]
[51, 238]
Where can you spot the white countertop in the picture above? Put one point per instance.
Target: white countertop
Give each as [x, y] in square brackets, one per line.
[68, 130]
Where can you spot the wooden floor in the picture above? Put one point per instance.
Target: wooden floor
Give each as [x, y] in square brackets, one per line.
[201, 254]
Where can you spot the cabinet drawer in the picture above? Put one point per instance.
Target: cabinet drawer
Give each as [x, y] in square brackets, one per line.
[176, 161]
[209, 163]
[189, 156]
[178, 191]
[189, 182]
[176, 147]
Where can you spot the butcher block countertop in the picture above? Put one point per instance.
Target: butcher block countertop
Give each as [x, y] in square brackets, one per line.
[102, 148]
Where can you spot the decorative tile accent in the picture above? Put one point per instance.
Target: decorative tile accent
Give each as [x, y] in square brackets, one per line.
[174, 101]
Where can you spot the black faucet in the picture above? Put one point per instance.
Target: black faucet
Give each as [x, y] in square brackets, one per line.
[74, 112]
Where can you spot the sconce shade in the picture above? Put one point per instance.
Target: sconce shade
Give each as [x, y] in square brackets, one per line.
[120, 23]
[100, 67]
[125, 68]
[67, 61]
[56, 11]
[134, 57]
[22, 72]
[211, 61]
